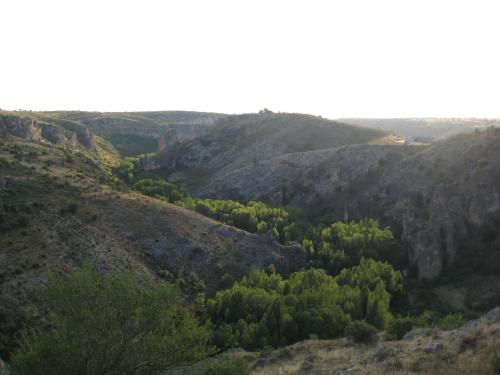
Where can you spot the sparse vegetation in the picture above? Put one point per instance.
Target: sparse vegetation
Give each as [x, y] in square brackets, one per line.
[235, 366]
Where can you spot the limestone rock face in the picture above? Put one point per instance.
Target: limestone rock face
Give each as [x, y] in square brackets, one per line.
[20, 127]
[430, 195]
[28, 128]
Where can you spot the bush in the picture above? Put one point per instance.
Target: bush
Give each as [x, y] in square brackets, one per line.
[451, 321]
[398, 327]
[361, 331]
[229, 367]
[113, 325]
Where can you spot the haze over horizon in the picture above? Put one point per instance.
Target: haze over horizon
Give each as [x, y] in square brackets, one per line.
[330, 58]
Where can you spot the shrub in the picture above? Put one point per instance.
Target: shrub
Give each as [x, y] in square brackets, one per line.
[113, 325]
[398, 327]
[361, 331]
[451, 321]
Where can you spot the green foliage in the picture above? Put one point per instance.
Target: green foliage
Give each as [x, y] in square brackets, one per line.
[376, 281]
[12, 320]
[451, 321]
[361, 331]
[266, 309]
[133, 145]
[399, 326]
[110, 324]
[331, 247]
[126, 169]
[236, 366]
[159, 188]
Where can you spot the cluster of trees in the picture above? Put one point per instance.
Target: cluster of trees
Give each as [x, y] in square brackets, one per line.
[332, 247]
[159, 188]
[265, 309]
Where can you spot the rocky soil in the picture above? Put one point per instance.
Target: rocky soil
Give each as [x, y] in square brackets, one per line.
[469, 349]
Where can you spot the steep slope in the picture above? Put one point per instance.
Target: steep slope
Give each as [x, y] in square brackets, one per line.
[39, 128]
[437, 197]
[131, 133]
[433, 196]
[134, 133]
[239, 141]
[57, 211]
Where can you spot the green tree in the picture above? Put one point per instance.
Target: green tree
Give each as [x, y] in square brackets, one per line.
[110, 324]
[361, 331]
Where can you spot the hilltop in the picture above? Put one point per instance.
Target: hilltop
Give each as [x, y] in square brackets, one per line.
[239, 141]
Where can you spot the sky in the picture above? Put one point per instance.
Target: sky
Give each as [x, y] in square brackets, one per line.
[348, 58]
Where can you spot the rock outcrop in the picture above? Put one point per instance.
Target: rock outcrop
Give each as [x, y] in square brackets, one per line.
[432, 196]
[32, 128]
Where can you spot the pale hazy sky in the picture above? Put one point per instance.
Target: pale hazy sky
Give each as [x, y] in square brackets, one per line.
[333, 58]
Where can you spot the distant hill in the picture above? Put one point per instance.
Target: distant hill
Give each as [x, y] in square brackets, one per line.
[131, 133]
[425, 128]
[236, 142]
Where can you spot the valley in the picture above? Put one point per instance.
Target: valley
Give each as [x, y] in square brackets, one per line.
[320, 224]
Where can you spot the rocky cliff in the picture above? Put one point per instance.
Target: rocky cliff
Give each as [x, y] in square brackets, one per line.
[432, 196]
[38, 129]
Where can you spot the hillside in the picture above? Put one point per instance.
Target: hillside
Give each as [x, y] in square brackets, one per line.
[67, 196]
[131, 133]
[58, 209]
[469, 349]
[239, 141]
[433, 197]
